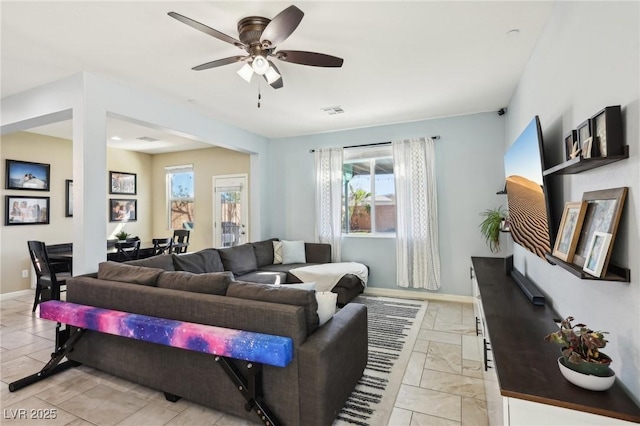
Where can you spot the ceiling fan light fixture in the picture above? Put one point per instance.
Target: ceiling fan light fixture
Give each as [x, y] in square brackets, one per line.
[272, 75]
[246, 72]
[260, 64]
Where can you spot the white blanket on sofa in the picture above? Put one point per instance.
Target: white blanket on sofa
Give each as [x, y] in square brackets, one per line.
[327, 275]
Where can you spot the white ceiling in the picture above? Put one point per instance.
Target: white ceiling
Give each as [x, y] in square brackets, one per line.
[403, 61]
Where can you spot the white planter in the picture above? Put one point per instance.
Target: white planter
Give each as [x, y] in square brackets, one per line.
[586, 381]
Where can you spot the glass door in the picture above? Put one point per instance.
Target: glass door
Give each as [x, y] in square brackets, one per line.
[230, 210]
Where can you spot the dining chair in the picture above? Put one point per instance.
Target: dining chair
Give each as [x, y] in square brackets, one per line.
[181, 240]
[50, 276]
[128, 250]
[162, 245]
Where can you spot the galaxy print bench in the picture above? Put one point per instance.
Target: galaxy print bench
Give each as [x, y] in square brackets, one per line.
[224, 343]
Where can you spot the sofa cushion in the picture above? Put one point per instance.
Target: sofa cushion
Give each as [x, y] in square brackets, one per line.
[209, 283]
[163, 261]
[207, 260]
[263, 277]
[279, 294]
[239, 259]
[114, 271]
[264, 252]
[277, 252]
[293, 252]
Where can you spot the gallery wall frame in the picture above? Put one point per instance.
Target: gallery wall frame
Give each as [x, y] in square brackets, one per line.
[68, 198]
[597, 253]
[123, 183]
[123, 210]
[607, 131]
[26, 210]
[604, 210]
[569, 231]
[28, 176]
[571, 145]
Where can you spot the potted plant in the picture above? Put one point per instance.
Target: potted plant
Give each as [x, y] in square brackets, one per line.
[491, 226]
[122, 235]
[581, 354]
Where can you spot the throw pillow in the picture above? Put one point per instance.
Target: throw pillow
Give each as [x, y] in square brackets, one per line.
[293, 252]
[114, 271]
[280, 294]
[264, 252]
[277, 252]
[327, 301]
[210, 283]
[239, 259]
[199, 262]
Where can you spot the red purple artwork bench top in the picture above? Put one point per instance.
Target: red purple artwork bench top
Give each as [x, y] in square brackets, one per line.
[244, 345]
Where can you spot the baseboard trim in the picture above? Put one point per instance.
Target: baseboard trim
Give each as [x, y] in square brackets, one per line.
[406, 294]
[5, 296]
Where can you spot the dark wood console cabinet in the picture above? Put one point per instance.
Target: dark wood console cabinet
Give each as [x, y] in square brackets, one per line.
[533, 390]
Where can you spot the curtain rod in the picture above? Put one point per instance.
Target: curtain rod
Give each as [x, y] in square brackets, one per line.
[435, 138]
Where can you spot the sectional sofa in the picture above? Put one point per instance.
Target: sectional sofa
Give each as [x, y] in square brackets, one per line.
[327, 363]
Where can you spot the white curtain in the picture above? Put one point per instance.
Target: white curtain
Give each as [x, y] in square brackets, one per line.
[417, 254]
[329, 198]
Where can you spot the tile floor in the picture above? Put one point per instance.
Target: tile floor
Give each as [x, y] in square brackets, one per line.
[442, 384]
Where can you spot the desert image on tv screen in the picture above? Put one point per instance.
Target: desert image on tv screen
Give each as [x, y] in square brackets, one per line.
[525, 195]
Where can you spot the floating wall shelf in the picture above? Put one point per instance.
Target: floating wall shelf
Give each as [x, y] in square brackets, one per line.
[614, 272]
[579, 164]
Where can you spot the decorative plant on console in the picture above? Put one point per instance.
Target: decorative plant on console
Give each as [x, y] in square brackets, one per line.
[491, 226]
[582, 363]
[122, 235]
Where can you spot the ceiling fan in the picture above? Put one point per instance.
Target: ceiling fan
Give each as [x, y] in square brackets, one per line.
[259, 37]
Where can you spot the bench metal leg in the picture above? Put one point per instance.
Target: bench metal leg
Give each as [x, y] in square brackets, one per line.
[64, 345]
[250, 387]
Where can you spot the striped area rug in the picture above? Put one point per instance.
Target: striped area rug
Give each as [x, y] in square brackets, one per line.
[393, 329]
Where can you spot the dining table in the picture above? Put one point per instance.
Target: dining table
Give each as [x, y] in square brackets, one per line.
[64, 252]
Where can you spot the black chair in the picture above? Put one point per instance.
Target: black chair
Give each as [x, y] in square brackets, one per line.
[128, 250]
[162, 245]
[181, 240]
[50, 276]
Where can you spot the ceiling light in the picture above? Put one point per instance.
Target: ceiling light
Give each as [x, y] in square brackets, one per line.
[260, 64]
[246, 72]
[272, 75]
[116, 138]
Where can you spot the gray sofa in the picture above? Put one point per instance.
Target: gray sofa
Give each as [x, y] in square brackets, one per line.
[253, 262]
[327, 363]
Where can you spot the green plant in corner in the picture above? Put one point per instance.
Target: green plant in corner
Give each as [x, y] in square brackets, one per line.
[122, 235]
[491, 225]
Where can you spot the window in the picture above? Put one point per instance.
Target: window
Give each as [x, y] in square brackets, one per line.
[368, 197]
[180, 196]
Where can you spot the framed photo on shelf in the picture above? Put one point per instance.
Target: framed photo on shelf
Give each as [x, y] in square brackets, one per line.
[584, 132]
[123, 183]
[569, 231]
[27, 176]
[68, 198]
[25, 210]
[604, 209]
[596, 256]
[587, 148]
[607, 131]
[123, 210]
[571, 145]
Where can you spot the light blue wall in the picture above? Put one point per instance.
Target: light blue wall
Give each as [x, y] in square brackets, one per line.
[563, 97]
[469, 173]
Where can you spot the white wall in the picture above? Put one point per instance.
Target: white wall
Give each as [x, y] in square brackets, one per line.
[587, 58]
[469, 173]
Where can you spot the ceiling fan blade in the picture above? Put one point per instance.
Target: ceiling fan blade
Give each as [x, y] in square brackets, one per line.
[205, 29]
[309, 58]
[281, 27]
[219, 63]
[278, 84]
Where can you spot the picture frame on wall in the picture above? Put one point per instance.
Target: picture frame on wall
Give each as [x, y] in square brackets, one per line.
[123, 183]
[607, 131]
[597, 253]
[571, 145]
[587, 148]
[68, 198]
[584, 132]
[569, 231]
[25, 175]
[604, 209]
[26, 210]
[123, 210]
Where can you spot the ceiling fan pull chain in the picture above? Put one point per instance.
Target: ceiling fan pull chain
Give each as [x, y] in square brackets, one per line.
[259, 95]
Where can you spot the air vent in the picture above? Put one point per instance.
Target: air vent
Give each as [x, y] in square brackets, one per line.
[333, 110]
[147, 139]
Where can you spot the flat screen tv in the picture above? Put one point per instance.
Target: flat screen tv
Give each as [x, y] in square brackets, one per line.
[526, 195]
